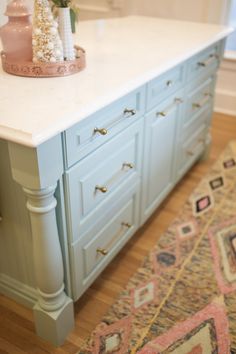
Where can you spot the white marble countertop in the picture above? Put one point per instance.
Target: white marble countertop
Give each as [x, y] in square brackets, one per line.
[122, 54]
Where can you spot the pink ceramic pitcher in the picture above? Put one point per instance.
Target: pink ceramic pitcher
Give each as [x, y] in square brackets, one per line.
[16, 35]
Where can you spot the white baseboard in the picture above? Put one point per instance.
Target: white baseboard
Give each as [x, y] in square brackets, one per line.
[225, 102]
[19, 292]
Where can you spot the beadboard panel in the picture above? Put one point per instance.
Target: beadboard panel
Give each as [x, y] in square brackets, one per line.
[16, 259]
[24, 294]
[15, 231]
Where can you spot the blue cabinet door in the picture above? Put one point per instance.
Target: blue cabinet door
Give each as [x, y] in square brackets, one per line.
[159, 154]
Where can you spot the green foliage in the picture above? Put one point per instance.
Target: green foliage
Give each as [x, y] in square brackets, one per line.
[73, 19]
[61, 3]
[74, 10]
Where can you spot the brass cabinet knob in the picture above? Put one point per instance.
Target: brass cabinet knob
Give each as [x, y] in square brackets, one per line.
[102, 251]
[128, 164]
[102, 189]
[163, 114]
[130, 112]
[179, 100]
[0, 218]
[101, 131]
[169, 83]
[168, 110]
[190, 153]
[208, 61]
[126, 224]
[204, 101]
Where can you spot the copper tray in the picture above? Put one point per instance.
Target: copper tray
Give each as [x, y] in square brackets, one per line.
[31, 69]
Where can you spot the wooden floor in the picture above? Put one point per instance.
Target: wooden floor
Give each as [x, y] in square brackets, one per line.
[17, 334]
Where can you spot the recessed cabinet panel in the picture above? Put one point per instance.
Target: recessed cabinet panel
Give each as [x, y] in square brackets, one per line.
[122, 166]
[97, 129]
[91, 253]
[116, 228]
[204, 63]
[191, 149]
[160, 137]
[164, 86]
[93, 182]
[198, 100]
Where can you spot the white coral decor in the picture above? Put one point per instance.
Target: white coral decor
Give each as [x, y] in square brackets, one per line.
[47, 45]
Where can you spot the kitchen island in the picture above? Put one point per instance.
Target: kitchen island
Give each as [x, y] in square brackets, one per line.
[86, 159]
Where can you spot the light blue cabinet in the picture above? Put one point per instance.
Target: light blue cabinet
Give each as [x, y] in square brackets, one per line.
[110, 172]
[159, 153]
[95, 182]
[123, 161]
[75, 186]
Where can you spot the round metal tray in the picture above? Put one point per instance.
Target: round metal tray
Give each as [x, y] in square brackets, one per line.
[30, 69]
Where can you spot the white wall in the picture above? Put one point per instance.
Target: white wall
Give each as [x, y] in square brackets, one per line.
[225, 101]
[188, 10]
[2, 10]
[3, 4]
[191, 10]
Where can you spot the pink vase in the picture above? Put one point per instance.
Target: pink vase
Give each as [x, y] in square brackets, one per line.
[16, 35]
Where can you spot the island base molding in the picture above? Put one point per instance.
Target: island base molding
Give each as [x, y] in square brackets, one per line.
[54, 326]
[19, 292]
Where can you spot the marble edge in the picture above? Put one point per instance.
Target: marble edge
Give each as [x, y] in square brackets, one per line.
[34, 140]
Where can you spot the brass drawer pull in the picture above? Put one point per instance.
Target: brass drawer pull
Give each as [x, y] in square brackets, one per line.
[200, 104]
[126, 224]
[102, 251]
[207, 62]
[128, 164]
[177, 100]
[125, 168]
[190, 153]
[101, 131]
[129, 112]
[101, 189]
[169, 83]
[202, 140]
[0, 218]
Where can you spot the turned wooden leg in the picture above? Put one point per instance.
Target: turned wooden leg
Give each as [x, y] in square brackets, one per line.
[38, 170]
[54, 310]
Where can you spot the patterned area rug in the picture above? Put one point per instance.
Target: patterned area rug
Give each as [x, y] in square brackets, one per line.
[182, 300]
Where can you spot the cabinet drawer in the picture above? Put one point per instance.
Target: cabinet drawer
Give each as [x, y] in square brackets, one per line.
[101, 243]
[202, 117]
[199, 100]
[87, 135]
[94, 180]
[205, 63]
[192, 149]
[165, 85]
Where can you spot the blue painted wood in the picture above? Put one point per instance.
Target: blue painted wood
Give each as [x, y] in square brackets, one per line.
[162, 87]
[159, 153]
[191, 149]
[109, 233]
[81, 139]
[162, 145]
[105, 168]
[205, 63]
